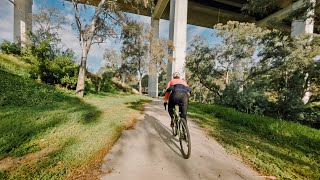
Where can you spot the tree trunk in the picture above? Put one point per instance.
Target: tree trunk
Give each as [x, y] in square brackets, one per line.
[307, 93]
[82, 73]
[140, 86]
[227, 77]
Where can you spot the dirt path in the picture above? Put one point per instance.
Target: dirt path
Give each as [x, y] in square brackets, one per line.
[150, 152]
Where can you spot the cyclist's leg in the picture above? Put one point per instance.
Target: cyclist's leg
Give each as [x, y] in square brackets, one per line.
[184, 99]
[171, 106]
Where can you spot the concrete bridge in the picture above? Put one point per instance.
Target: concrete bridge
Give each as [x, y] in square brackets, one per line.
[205, 13]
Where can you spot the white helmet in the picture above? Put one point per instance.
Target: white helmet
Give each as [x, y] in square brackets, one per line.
[176, 75]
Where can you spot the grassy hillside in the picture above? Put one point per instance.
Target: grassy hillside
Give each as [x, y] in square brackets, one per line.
[276, 148]
[46, 133]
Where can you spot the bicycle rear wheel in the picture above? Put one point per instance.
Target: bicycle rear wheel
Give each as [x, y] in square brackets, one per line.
[175, 126]
[185, 142]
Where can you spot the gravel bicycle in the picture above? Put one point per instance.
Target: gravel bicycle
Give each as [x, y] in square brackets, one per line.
[180, 128]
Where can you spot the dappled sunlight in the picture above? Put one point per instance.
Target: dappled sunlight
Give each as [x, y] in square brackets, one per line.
[138, 105]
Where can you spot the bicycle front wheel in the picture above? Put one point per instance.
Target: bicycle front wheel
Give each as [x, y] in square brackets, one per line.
[185, 142]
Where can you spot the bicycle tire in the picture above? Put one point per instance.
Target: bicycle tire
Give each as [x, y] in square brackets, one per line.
[184, 137]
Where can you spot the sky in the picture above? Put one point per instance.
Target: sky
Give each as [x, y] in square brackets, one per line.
[69, 37]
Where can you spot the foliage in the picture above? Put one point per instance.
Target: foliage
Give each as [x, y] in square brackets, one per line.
[134, 49]
[229, 61]
[258, 71]
[141, 53]
[201, 62]
[10, 48]
[277, 148]
[106, 22]
[48, 21]
[290, 67]
[260, 7]
[116, 65]
[50, 64]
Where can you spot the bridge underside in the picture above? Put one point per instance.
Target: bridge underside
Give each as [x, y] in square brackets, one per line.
[205, 13]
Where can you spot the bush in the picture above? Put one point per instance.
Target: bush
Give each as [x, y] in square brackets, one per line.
[59, 70]
[311, 115]
[10, 48]
[247, 100]
[107, 84]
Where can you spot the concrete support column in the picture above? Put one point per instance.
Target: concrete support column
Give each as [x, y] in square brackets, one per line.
[300, 27]
[22, 20]
[178, 34]
[304, 26]
[153, 72]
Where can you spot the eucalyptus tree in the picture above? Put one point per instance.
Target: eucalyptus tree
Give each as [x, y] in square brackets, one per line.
[135, 49]
[230, 61]
[113, 63]
[44, 40]
[141, 50]
[201, 62]
[104, 23]
[236, 51]
[48, 22]
[288, 65]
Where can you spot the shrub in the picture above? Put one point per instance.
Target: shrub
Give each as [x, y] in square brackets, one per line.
[10, 48]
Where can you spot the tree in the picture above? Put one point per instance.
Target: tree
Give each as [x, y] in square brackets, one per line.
[141, 51]
[288, 65]
[113, 59]
[227, 62]
[160, 52]
[45, 39]
[201, 61]
[51, 64]
[104, 23]
[135, 48]
[102, 26]
[48, 21]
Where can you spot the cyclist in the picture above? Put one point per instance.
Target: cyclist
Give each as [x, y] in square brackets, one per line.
[180, 92]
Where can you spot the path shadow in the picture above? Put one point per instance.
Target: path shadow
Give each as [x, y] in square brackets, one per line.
[165, 135]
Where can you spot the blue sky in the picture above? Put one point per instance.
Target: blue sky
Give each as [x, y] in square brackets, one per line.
[68, 35]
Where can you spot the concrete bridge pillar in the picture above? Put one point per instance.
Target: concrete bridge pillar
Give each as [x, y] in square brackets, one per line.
[178, 34]
[153, 70]
[22, 20]
[304, 27]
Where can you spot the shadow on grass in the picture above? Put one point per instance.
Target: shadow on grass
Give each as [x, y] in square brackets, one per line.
[291, 147]
[29, 109]
[43, 166]
[139, 104]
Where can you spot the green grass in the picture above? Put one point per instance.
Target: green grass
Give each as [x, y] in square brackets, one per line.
[46, 133]
[13, 65]
[279, 148]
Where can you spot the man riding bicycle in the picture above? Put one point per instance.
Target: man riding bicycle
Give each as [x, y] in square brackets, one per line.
[180, 92]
